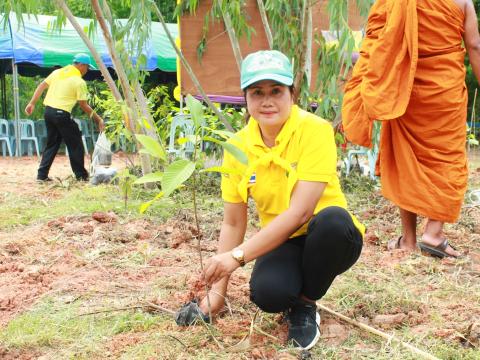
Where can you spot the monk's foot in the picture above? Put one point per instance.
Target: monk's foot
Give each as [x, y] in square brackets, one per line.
[438, 244]
[400, 243]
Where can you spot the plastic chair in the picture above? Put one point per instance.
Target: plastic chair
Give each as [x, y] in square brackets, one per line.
[27, 133]
[5, 138]
[371, 154]
[84, 140]
[41, 132]
[87, 133]
[184, 124]
[11, 133]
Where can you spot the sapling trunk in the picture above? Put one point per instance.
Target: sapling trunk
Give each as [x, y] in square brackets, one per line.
[197, 225]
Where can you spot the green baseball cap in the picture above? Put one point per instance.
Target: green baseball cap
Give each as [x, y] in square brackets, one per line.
[82, 58]
[266, 65]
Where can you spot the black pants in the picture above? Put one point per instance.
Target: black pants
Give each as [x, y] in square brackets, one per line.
[60, 126]
[308, 264]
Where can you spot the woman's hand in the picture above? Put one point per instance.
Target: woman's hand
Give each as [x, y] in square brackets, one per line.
[217, 301]
[219, 266]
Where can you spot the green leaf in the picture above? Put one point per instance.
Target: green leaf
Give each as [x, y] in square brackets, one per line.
[223, 134]
[149, 178]
[144, 207]
[151, 146]
[189, 138]
[176, 174]
[196, 110]
[232, 149]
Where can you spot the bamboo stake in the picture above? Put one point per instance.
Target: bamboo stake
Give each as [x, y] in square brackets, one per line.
[190, 71]
[389, 338]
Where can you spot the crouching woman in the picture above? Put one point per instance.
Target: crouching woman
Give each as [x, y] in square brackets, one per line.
[307, 236]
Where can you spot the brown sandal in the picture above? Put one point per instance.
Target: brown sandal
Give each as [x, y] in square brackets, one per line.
[437, 251]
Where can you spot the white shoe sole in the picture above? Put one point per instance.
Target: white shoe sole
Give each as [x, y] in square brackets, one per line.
[316, 338]
[317, 334]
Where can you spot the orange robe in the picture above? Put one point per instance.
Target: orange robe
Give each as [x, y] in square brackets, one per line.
[411, 75]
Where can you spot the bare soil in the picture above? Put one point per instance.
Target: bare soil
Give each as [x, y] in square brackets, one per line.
[75, 255]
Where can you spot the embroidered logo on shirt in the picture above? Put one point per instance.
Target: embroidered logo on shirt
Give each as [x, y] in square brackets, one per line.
[253, 179]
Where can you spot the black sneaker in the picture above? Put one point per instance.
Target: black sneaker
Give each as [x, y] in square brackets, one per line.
[303, 325]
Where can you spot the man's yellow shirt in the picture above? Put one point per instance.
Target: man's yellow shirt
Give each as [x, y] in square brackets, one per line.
[304, 150]
[65, 88]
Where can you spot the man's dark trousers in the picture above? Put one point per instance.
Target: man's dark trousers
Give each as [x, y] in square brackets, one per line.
[60, 126]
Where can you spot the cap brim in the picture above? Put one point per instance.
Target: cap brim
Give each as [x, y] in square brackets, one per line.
[284, 80]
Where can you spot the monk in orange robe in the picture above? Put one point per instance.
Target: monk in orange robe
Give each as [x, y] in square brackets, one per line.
[411, 76]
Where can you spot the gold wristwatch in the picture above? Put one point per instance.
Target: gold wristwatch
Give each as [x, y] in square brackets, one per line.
[239, 255]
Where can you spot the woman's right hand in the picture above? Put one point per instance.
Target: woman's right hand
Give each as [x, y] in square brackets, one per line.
[217, 300]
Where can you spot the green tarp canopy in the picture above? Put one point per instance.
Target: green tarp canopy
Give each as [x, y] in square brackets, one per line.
[34, 42]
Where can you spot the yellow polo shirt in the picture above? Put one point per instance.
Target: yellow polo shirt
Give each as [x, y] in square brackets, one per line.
[304, 150]
[65, 88]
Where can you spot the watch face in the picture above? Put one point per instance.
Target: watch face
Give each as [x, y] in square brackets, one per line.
[237, 253]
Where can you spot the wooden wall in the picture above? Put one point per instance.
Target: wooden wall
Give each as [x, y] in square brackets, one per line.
[218, 72]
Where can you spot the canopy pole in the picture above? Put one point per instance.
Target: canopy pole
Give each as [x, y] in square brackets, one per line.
[3, 85]
[16, 102]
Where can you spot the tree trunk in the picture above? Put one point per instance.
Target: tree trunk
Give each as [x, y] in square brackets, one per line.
[308, 55]
[303, 53]
[145, 159]
[103, 69]
[233, 39]
[122, 76]
[266, 25]
[141, 101]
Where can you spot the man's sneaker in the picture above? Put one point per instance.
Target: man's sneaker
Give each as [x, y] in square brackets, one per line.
[82, 178]
[43, 180]
[303, 325]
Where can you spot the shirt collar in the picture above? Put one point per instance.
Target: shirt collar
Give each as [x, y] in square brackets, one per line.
[72, 71]
[255, 136]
